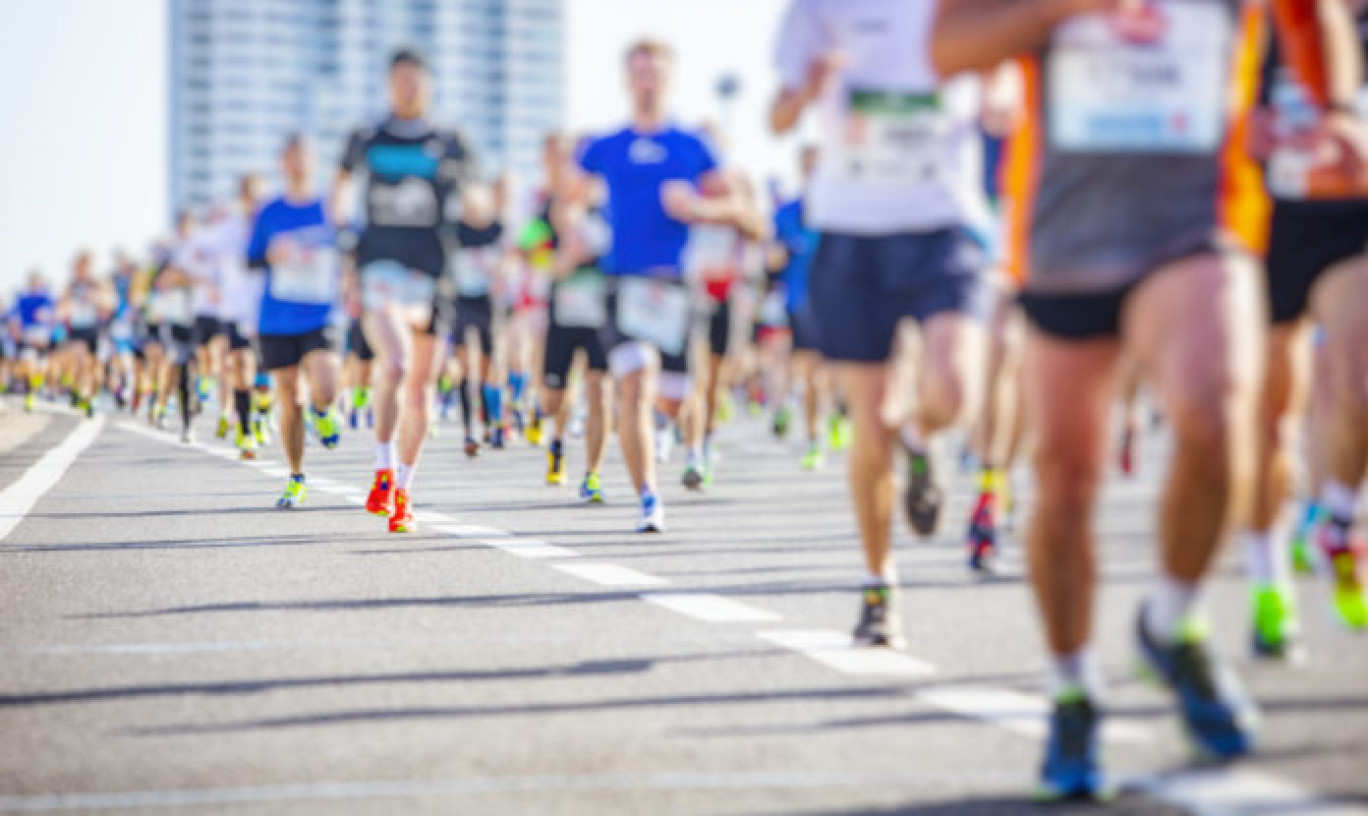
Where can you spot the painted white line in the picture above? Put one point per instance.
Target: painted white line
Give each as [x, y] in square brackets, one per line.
[530, 548]
[1231, 792]
[711, 608]
[355, 498]
[834, 650]
[18, 499]
[474, 531]
[1015, 711]
[610, 574]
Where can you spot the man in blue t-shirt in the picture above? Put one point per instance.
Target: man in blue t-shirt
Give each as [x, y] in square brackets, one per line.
[36, 312]
[660, 180]
[294, 244]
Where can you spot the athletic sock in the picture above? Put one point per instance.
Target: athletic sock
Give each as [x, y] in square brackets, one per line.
[242, 403]
[1168, 606]
[183, 390]
[1339, 500]
[1265, 559]
[1077, 670]
[493, 400]
[463, 393]
[403, 476]
[517, 383]
[384, 456]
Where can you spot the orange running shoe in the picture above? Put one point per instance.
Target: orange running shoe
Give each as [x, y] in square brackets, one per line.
[402, 520]
[380, 502]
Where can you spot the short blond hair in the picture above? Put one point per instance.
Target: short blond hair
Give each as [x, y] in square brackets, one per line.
[651, 47]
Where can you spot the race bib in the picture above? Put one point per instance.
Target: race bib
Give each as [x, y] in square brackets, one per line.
[774, 310]
[388, 283]
[408, 203]
[712, 250]
[890, 139]
[655, 312]
[473, 271]
[1109, 93]
[307, 274]
[121, 330]
[174, 307]
[37, 335]
[84, 315]
[581, 301]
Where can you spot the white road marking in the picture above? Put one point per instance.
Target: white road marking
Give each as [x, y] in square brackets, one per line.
[1015, 711]
[18, 499]
[474, 531]
[529, 548]
[610, 574]
[1233, 792]
[711, 608]
[835, 650]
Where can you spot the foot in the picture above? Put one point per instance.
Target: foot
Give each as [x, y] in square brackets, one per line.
[329, 428]
[1274, 633]
[880, 619]
[187, 436]
[591, 489]
[224, 426]
[922, 497]
[294, 495]
[247, 446]
[694, 477]
[1343, 556]
[782, 419]
[401, 520]
[814, 458]
[380, 502]
[472, 447]
[1218, 718]
[652, 515]
[1071, 770]
[555, 464]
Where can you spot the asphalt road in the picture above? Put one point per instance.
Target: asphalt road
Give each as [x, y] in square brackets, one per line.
[169, 642]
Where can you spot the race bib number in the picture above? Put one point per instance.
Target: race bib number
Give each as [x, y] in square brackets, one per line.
[473, 271]
[890, 139]
[655, 312]
[84, 315]
[581, 301]
[388, 283]
[307, 274]
[774, 310]
[174, 307]
[409, 203]
[1110, 93]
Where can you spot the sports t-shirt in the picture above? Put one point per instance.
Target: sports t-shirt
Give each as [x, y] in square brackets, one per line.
[83, 307]
[800, 242]
[900, 148]
[198, 257]
[241, 290]
[413, 175]
[476, 258]
[302, 286]
[635, 166]
[35, 310]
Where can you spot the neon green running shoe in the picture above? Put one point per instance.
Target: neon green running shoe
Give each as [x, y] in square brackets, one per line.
[224, 426]
[814, 458]
[838, 432]
[294, 494]
[1274, 635]
[328, 426]
[591, 489]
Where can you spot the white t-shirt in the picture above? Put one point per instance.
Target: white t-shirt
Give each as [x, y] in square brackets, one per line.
[241, 288]
[901, 150]
[198, 258]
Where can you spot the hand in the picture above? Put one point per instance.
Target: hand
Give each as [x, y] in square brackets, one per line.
[680, 200]
[351, 294]
[1346, 140]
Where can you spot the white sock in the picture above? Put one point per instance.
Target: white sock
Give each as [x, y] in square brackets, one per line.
[1339, 500]
[403, 476]
[913, 440]
[1077, 670]
[1167, 607]
[384, 456]
[876, 581]
[1266, 558]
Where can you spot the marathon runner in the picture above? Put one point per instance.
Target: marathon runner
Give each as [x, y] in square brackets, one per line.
[413, 174]
[123, 332]
[897, 197]
[293, 243]
[37, 315]
[241, 294]
[175, 292]
[1138, 215]
[83, 307]
[660, 180]
[477, 262]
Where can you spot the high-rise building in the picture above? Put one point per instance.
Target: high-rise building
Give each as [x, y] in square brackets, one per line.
[245, 73]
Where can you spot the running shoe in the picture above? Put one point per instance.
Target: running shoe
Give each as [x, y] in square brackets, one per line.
[224, 426]
[1343, 556]
[664, 445]
[1072, 768]
[880, 621]
[591, 489]
[401, 521]
[496, 437]
[695, 477]
[652, 515]
[782, 419]
[187, 435]
[534, 430]
[328, 426]
[30, 402]
[202, 388]
[1274, 635]
[814, 458]
[353, 418]
[380, 502]
[294, 495]
[246, 445]
[472, 447]
[1218, 718]
[922, 496]
[839, 432]
[981, 541]
[555, 463]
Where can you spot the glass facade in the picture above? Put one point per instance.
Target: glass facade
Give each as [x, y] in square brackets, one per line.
[245, 73]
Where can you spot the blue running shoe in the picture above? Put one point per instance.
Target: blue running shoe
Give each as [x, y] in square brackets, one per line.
[1072, 769]
[1219, 719]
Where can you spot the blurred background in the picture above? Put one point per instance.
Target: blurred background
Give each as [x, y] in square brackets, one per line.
[120, 112]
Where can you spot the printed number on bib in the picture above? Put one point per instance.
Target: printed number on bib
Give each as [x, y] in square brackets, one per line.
[388, 283]
[472, 268]
[581, 302]
[654, 311]
[1110, 93]
[890, 139]
[307, 275]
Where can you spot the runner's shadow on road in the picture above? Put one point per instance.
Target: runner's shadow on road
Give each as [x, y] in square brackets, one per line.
[182, 544]
[1127, 804]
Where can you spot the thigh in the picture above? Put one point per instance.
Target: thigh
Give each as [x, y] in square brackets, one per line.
[1067, 390]
[389, 335]
[426, 361]
[1197, 328]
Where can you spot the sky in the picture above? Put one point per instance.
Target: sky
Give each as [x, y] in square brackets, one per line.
[83, 149]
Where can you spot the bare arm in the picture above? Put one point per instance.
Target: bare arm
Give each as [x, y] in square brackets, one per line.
[977, 35]
[340, 198]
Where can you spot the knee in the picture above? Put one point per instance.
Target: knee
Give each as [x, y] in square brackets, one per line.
[1067, 480]
[946, 398]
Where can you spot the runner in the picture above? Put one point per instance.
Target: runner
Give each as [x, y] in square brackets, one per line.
[1317, 270]
[575, 323]
[199, 258]
[477, 264]
[413, 173]
[175, 291]
[83, 307]
[124, 363]
[237, 317]
[660, 179]
[292, 242]
[1138, 214]
[896, 196]
[37, 315]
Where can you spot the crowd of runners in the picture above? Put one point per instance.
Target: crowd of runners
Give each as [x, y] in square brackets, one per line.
[1105, 198]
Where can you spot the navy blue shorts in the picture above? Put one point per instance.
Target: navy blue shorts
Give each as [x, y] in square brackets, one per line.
[804, 327]
[863, 286]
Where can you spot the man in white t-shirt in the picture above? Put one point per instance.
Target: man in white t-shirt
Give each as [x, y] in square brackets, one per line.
[895, 195]
[241, 297]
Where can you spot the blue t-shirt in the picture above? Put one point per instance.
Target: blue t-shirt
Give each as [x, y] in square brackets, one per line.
[35, 309]
[298, 297]
[635, 166]
[800, 242]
